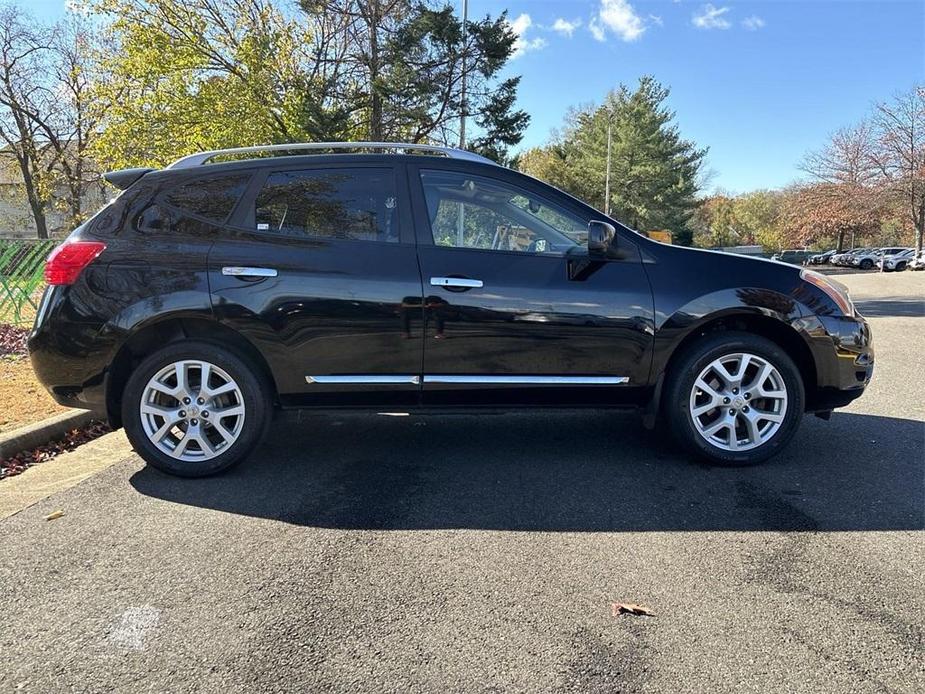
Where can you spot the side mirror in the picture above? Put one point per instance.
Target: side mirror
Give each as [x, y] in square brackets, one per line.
[600, 239]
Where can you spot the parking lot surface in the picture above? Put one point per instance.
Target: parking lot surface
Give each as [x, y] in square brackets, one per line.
[484, 553]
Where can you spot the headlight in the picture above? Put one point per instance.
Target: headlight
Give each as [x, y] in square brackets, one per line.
[835, 291]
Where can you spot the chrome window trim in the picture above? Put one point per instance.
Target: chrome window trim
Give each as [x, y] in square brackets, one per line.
[365, 379]
[530, 380]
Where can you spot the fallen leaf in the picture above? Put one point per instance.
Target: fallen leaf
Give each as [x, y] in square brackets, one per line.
[630, 608]
[54, 515]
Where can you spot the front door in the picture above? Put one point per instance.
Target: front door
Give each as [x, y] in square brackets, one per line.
[319, 272]
[513, 312]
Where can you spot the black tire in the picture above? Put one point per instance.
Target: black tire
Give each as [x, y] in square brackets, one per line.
[685, 371]
[900, 267]
[867, 264]
[258, 407]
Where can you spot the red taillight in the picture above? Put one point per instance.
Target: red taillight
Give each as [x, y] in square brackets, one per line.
[68, 260]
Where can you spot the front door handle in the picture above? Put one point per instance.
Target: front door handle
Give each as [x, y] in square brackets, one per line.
[238, 271]
[456, 282]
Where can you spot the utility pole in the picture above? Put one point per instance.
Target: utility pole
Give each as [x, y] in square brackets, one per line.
[607, 175]
[462, 100]
[461, 212]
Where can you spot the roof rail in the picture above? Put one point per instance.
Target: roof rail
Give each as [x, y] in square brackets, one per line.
[201, 158]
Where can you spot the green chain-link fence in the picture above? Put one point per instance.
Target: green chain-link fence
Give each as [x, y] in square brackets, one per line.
[22, 265]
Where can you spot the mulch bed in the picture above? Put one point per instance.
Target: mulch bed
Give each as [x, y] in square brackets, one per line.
[12, 340]
[20, 462]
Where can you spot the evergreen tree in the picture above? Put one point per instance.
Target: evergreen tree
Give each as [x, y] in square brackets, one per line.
[653, 170]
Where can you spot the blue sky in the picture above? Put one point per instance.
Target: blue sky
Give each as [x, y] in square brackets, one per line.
[759, 83]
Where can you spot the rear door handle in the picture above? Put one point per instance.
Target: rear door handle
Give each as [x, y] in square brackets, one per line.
[456, 282]
[238, 271]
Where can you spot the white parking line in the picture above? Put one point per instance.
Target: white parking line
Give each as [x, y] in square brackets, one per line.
[134, 627]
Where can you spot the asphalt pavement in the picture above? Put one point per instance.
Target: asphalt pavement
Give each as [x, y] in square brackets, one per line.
[485, 553]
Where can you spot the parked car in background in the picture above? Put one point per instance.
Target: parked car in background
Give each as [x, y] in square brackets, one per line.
[794, 257]
[822, 258]
[917, 262]
[845, 257]
[896, 261]
[210, 293]
[866, 261]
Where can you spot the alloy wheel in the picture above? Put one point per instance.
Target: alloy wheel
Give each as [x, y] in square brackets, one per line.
[192, 410]
[738, 402]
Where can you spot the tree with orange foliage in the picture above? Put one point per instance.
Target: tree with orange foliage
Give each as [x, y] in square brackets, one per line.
[845, 198]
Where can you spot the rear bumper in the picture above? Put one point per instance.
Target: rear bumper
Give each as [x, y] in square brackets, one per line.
[69, 358]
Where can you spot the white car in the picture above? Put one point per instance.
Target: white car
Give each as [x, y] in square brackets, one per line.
[844, 258]
[866, 261]
[918, 262]
[896, 261]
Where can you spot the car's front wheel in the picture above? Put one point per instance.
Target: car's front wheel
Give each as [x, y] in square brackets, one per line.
[867, 264]
[734, 398]
[194, 408]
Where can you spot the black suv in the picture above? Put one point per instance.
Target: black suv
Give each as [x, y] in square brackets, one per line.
[405, 277]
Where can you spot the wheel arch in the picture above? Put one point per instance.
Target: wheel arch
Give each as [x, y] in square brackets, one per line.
[153, 336]
[774, 329]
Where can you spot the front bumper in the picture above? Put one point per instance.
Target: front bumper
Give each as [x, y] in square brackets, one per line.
[843, 352]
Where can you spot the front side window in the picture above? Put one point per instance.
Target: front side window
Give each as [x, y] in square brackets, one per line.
[482, 213]
[351, 204]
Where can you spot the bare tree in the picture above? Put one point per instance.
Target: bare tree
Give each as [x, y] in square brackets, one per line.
[847, 178]
[900, 154]
[23, 52]
[47, 118]
[71, 127]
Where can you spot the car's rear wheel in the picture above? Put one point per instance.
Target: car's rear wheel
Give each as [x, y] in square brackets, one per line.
[194, 408]
[734, 398]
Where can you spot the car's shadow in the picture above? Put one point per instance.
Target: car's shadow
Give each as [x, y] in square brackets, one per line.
[891, 306]
[577, 471]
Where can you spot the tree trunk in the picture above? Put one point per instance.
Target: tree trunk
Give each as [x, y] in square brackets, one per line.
[36, 204]
[375, 98]
[841, 241]
[919, 229]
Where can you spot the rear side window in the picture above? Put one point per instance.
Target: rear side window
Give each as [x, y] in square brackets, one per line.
[210, 197]
[351, 204]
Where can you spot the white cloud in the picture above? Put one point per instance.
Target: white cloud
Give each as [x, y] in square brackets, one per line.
[521, 24]
[711, 17]
[597, 31]
[522, 44]
[620, 17]
[566, 27]
[753, 23]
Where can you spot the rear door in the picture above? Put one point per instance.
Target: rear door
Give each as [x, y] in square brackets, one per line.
[318, 270]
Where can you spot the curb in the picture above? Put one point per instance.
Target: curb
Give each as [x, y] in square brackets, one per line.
[35, 435]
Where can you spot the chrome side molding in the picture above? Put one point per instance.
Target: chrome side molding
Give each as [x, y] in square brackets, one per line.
[531, 380]
[365, 379]
[396, 379]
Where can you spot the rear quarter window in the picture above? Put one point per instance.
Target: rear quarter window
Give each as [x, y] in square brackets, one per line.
[192, 206]
[210, 197]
